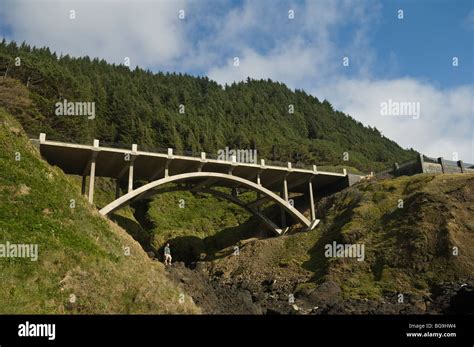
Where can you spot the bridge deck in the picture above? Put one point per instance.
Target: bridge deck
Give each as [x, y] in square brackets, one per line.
[75, 159]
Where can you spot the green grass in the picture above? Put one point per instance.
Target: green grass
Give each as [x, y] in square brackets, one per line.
[80, 252]
[407, 250]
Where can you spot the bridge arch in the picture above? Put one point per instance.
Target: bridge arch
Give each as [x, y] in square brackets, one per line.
[136, 193]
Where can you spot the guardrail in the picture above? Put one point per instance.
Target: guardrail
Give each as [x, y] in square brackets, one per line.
[425, 164]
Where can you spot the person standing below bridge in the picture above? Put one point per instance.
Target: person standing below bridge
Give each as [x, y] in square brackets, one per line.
[167, 254]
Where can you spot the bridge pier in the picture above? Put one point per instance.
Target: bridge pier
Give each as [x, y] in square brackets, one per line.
[285, 188]
[130, 168]
[168, 161]
[91, 180]
[130, 177]
[95, 152]
[284, 195]
[311, 200]
[282, 211]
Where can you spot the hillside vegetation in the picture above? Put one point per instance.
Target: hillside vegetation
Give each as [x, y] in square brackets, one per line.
[138, 106]
[410, 248]
[418, 231]
[86, 264]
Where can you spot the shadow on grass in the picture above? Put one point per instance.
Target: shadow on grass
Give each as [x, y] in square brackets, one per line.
[134, 229]
[191, 248]
[318, 262]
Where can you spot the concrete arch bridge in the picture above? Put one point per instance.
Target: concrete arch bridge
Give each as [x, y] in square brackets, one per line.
[197, 174]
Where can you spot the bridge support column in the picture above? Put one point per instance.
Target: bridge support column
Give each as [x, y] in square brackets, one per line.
[285, 189]
[130, 176]
[91, 181]
[95, 151]
[167, 164]
[130, 168]
[311, 200]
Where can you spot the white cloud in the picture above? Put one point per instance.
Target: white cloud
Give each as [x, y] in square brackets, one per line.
[300, 52]
[149, 33]
[292, 64]
[445, 125]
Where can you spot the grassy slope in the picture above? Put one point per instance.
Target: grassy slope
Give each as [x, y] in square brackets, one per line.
[406, 249]
[80, 252]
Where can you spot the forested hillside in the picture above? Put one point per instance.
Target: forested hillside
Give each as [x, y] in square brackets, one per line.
[138, 106]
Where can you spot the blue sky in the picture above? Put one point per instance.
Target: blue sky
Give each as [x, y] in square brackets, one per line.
[423, 44]
[404, 60]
